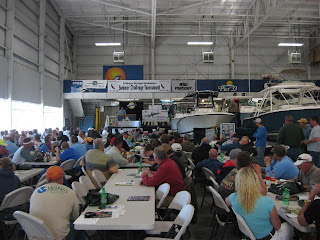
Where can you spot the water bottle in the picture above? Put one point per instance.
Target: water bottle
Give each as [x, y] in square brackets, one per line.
[222, 157]
[272, 178]
[268, 177]
[285, 197]
[103, 198]
[139, 167]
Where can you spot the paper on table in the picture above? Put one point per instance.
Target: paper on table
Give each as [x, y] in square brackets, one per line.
[292, 215]
[124, 184]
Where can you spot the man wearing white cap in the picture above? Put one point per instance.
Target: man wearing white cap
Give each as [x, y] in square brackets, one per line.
[261, 135]
[23, 154]
[309, 174]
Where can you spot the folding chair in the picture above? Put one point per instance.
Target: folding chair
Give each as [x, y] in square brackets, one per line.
[161, 194]
[86, 182]
[33, 226]
[13, 199]
[80, 190]
[207, 173]
[191, 164]
[77, 164]
[84, 171]
[176, 228]
[99, 178]
[180, 200]
[243, 226]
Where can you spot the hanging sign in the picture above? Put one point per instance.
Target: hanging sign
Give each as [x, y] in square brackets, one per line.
[139, 86]
[183, 85]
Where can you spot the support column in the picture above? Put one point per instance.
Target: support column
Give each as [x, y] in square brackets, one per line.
[9, 52]
[42, 32]
[75, 58]
[61, 59]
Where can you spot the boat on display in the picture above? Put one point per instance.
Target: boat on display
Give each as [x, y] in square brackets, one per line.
[200, 110]
[289, 98]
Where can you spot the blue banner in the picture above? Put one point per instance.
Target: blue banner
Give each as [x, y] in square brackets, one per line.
[231, 85]
[82, 86]
[123, 72]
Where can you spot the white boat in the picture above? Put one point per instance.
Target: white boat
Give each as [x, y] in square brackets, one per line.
[205, 114]
[290, 98]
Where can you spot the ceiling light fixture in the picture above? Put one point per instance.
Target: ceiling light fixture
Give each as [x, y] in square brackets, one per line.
[290, 44]
[107, 44]
[200, 43]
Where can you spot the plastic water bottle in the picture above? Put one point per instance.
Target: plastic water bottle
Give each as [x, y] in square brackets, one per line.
[272, 178]
[139, 167]
[285, 197]
[268, 177]
[103, 198]
[222, 157]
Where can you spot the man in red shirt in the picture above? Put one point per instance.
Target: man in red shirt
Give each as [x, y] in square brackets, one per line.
[168, 172]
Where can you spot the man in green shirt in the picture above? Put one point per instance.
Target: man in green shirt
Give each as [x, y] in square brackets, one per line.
[291, 135]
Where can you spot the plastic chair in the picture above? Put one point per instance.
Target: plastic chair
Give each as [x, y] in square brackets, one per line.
[178, 226]
[220, 203]
[84, 171]
[99, 177]
[243, 226]
[80, 190]
[15, 198]
[189, 173]
[77, 164]
[180, 200]
[43, 182]
[33, 226]
[207, 173]
[86, 182]
[67, 165]
[162, 193]
[214, 183]
[11, 155]
[191, 164]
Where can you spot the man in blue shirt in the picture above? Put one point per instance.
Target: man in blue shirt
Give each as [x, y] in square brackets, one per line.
[67, 154]
[78, 147]
[11, 147]
[261, 135]
[211, 163]
[282, 166]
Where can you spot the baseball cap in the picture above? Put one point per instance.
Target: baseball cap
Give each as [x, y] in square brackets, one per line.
[176, 147]
[2, 143]
[90, 128]
[89, 139]
[303, 158]
[303, 120]
[258, 120]
[27, 141]
[234, 153]
[54, 173]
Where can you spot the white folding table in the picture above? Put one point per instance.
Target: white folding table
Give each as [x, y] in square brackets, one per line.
[139, 215]
[135, 165]
[52, 162]
[25, 175]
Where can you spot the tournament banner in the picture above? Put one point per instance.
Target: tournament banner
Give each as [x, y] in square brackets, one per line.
[183, 85]
[139, 86]
[123, 72]
[231, 85]
[82, 86]
[155, 115]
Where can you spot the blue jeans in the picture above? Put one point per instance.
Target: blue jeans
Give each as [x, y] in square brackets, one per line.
[315, 158]
[293, 153]
[260, 156]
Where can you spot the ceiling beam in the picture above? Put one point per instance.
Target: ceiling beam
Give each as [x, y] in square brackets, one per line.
[153, 22]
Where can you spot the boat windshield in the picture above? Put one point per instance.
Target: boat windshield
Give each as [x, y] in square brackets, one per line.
[205, 102]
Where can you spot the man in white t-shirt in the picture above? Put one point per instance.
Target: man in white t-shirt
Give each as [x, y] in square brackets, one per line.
[55, 204]
[313, 143]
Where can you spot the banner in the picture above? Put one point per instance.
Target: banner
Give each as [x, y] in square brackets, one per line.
[231, 85]
[123, 72]
[155, 115]
[183, 85]
[139, 86]
[82, 86]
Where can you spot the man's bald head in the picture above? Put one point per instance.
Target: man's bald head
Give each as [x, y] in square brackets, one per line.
[205, 140]
[213, 153]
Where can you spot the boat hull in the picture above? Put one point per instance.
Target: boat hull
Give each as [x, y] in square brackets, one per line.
[273, 121]
[188, 123]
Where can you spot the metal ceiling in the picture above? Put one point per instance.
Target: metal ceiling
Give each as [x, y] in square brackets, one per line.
[181, 18]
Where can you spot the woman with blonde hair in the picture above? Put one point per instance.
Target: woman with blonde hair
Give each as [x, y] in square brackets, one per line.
[258, 211]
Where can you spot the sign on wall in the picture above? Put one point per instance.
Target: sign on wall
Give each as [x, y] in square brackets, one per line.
[183, 85]
[82, 86]
[155, 115]
[139, 86]
[123, 72]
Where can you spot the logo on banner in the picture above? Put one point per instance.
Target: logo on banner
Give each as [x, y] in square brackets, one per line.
[228, 88]
[183, 87]
[131, 105]
[115, 73]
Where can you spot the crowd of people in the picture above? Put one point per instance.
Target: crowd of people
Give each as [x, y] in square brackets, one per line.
[295, 158]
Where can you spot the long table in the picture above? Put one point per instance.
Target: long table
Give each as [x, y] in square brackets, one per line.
[292, 221]
[135, 165]
[52, 162]
[25, 175]
[139, 215]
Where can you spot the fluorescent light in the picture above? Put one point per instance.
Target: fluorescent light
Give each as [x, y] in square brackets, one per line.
[107, 44]
[290, 44]
[200, 43]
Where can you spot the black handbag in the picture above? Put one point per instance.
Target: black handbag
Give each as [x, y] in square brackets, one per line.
[93, 198]
[293, 188]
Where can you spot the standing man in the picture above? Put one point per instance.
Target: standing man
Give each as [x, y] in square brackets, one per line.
[261, 135]
[234, 108]
[291, 135]
[313, 143]
[303, 123]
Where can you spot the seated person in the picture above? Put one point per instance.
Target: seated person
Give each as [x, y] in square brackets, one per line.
[171, 140]
[11, 147]
[228, 147]
[68, 153]
[228, 165]
[37, 141]
[233, 138]
[282, 166]
[89, 143]
[3, 151]
[55, 204]
[309, 174]
[23, 154]
[175, 158]
[147, 155]
[47, 146]
[310, 212]
[97, 159]
[187, 146]
[127, 141]
[258, 211]
[78, 147]
[168, 172]
[9, 181]
[211, 163]
[201, 152]
[118, 154]
[247, 146]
